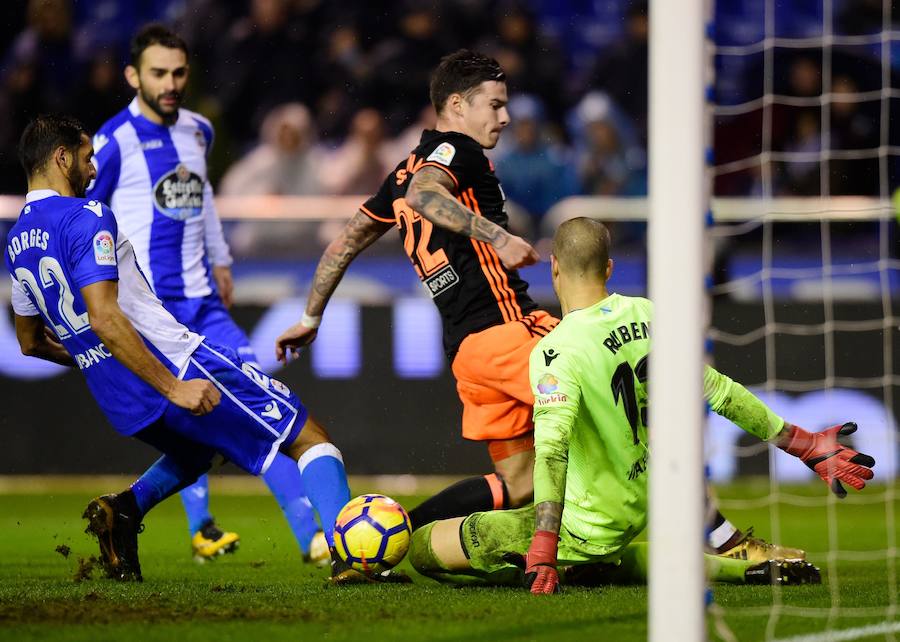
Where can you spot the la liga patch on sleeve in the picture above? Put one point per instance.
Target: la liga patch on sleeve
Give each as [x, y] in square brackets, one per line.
[104, 248]
[442, 154]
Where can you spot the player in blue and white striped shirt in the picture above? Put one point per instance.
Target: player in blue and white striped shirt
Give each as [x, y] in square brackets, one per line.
[151, 162]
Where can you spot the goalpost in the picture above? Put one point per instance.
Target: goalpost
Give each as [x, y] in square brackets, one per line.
[678, 198]
[849, 299]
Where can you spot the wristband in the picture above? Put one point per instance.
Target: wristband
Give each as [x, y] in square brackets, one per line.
[796, 442]
[544, 546]
[311, 322]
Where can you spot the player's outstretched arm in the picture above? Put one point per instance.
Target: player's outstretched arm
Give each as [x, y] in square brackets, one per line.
[359, 233]
[821, 451]
[430, 193]
[124, 343]
[37, 341]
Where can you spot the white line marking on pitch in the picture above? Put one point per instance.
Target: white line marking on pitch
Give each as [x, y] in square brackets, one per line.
[846, 634]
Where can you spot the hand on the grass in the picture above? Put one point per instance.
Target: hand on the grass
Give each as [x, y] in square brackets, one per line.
[832, 461]
[541, 577]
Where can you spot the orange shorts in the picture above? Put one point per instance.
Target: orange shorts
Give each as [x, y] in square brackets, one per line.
[491, 370]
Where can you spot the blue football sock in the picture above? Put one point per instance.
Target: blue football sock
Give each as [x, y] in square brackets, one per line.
[163, 479]
[283, 479]
[322, 471]
[196, 504]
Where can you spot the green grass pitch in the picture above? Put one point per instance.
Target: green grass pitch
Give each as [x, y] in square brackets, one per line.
[265, 593]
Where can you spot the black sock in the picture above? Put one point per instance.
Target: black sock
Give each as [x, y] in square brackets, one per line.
[463, 498]
[714, 521]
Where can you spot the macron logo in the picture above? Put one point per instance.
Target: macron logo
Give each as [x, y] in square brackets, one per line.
[272, 411]
[100, 141]
[96, 207]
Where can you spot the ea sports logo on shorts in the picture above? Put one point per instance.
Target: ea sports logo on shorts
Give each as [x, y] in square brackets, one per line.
[178, 194]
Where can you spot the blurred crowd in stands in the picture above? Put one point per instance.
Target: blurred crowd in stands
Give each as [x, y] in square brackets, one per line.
[315, 97]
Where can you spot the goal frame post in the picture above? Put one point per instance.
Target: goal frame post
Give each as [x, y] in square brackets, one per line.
[678, 199]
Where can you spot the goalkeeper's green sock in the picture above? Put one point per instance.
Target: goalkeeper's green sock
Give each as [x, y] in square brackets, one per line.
[423, 559]
[726, 569]
[634, 568]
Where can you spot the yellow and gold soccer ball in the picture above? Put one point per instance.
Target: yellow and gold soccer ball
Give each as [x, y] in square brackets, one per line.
[372, 533]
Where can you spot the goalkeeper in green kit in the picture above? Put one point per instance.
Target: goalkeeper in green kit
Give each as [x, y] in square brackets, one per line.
[590, 477]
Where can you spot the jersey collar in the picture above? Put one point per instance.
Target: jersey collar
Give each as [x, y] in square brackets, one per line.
[39, 194]
[432, 134]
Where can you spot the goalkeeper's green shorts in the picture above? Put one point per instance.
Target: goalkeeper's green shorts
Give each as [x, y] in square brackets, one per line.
[492, 539]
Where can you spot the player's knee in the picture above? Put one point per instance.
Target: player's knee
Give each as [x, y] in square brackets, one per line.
[517, 472]
[311, 434]
[519, 490]
[509, 495]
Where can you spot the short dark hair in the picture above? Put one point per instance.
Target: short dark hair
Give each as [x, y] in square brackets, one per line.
[460, 73]
[43, 136]
[155, 33]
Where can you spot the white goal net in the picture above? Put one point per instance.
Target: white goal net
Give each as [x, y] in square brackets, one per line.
[804, 292]
[804, 289]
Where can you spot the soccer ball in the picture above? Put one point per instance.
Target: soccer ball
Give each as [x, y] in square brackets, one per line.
[372, 533]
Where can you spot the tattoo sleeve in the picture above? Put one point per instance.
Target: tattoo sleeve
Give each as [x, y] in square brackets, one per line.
[430, 194]
[359, 233]
[548, 517]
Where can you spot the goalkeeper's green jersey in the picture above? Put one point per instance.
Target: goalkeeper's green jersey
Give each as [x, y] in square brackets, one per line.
[590, 398]
[590, 414]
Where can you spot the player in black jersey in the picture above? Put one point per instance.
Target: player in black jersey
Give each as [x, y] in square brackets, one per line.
[448, 206]
[447, 203]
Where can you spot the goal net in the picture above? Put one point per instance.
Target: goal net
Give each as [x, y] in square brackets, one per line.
[803, 283]
[803, 287]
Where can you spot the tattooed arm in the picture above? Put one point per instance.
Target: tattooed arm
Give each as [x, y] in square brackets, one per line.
[430, 193]
[359, 233]
[548, 517]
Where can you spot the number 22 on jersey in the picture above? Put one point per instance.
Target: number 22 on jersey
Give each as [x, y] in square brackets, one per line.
[416, 232]
[51, 272]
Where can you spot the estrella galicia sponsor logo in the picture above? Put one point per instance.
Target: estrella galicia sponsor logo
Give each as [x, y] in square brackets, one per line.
[179, 194]
[442, 281]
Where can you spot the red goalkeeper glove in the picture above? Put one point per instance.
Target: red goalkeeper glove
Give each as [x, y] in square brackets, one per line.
[832, 461]
[540, 564]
